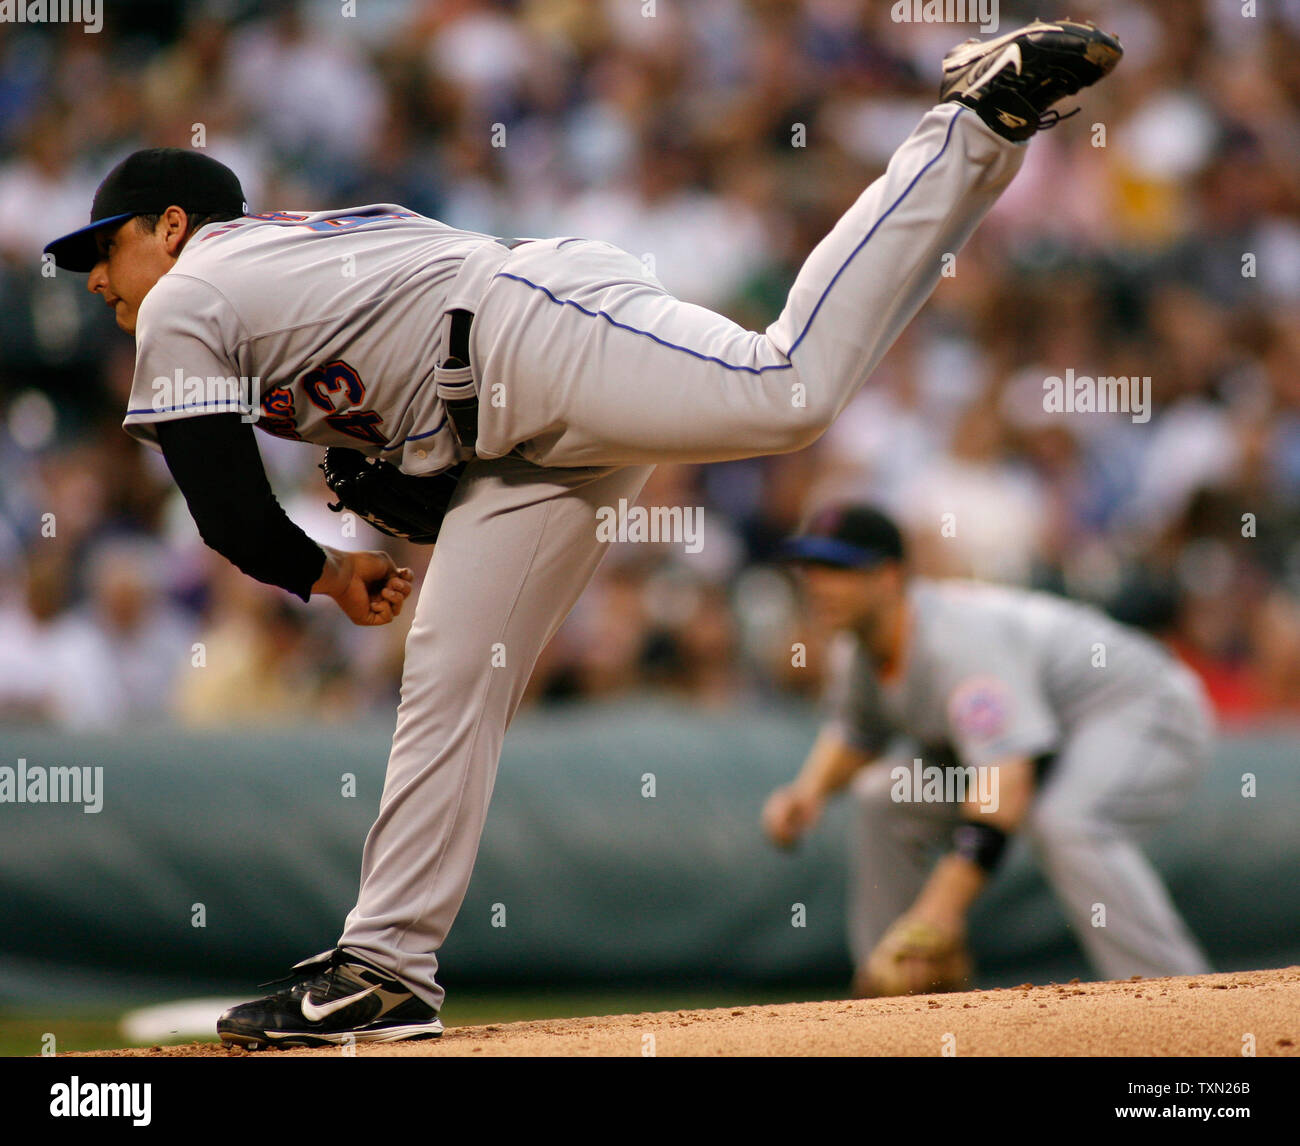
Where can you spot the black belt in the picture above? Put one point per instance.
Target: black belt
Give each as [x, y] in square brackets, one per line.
[463, 412]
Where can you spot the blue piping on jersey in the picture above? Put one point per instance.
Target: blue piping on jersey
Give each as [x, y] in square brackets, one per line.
[225, 403]
[787, 365]
[418, 437]
[218, 402]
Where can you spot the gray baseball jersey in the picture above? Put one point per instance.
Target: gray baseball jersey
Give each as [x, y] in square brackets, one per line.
[992, 674]
[587, 371]
[325, 327]
[582, 360]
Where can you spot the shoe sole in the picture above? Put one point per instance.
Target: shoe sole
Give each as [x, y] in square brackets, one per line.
[289, 1039]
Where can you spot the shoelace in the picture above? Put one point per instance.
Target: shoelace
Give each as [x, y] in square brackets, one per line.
[316, 968]
[1051, 117]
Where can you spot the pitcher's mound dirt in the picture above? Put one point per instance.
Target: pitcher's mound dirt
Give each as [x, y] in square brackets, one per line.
[1188, 1016]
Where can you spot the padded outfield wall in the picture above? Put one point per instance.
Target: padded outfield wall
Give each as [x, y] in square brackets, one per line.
[257, 837]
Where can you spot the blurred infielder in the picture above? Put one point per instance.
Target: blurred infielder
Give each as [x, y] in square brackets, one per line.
[964, 712]
[556, 372]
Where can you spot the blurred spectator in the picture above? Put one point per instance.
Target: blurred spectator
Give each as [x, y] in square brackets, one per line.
[1156, 235]
[257, 660]
[110, 663]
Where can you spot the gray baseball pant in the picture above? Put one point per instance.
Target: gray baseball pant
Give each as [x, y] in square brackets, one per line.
[582, 360]
[1118, 775]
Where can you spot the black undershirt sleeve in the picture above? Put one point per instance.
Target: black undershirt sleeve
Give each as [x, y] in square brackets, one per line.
[217, 466]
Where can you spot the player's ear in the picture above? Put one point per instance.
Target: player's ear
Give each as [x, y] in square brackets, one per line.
[174, 225]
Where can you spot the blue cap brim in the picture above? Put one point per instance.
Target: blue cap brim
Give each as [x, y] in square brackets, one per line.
[77, 250]
[829, 551]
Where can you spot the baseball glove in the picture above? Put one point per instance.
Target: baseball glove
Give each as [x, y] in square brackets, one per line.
[395, 503]
[914, 957]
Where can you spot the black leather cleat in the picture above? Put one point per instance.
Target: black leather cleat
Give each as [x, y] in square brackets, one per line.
[1011, 81]
[334, 998]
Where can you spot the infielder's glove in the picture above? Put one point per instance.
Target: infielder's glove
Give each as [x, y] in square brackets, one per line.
[914, 958]
[395, 503]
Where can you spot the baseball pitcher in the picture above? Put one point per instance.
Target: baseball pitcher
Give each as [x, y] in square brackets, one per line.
[961, 713]
[492, 395]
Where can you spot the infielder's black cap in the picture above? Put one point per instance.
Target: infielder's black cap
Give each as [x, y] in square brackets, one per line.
[846, 536]
[147, 183]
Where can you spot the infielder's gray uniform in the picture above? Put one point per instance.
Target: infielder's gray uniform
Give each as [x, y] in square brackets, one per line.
[993, 674]
[586, 371]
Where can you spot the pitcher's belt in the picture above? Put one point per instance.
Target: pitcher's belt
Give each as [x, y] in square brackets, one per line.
[463, 411]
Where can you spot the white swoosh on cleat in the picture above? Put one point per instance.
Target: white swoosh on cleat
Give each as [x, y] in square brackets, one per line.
[1010, 55]
[961, 56]
[315, 1014]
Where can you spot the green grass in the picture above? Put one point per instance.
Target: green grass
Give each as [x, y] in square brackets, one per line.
[22, 1032]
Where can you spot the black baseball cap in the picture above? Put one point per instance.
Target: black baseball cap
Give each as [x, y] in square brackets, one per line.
[147, 183]
[848, 537]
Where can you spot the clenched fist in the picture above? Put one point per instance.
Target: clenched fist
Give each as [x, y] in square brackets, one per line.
[367, 585]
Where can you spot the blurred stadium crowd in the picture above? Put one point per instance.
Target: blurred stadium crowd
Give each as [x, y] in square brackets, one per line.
[719, 139]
